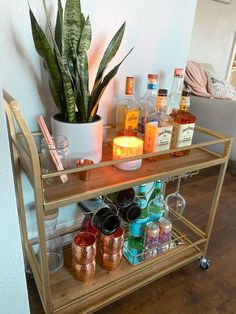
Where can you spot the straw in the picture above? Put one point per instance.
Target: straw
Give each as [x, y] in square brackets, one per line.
[52, 148]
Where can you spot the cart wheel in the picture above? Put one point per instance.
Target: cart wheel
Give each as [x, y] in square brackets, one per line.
[203, 263]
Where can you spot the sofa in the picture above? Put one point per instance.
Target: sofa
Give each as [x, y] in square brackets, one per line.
[218, 115]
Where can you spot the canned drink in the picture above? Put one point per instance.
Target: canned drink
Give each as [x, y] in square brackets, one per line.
[152, 231]
[165, 234]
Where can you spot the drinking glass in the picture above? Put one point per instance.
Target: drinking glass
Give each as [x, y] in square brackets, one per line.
[176, 201]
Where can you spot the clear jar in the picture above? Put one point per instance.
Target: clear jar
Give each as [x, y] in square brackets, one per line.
[62, 149]
[54, 245]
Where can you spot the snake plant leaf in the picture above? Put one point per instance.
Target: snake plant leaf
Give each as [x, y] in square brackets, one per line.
[68, 87]
[110, 51]
[82, 64]
[59, 26]
[43, 48]
[72, 27]
[86, 36]
[96, 96]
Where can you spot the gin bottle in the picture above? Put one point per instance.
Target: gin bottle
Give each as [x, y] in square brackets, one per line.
[176, 90]
[148, 102]
[184, 123]
[127, 111]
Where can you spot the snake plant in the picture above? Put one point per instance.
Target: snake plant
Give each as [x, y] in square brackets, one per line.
[64, 54]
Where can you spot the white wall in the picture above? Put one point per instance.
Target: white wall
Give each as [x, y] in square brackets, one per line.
[213, 34]
[13, 295]
[159, 31]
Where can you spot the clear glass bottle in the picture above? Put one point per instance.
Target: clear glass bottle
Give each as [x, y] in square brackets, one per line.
[176, 90]
[158, 132]
[157, 191]
[156, 208]
[184, 123]
[127, 111]
[53, 243]
[61, 147]
[148, 102]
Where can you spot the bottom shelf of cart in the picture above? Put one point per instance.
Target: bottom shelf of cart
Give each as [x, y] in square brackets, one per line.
[70, 296]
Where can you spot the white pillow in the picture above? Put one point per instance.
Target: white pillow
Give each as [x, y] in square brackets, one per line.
[218, 87]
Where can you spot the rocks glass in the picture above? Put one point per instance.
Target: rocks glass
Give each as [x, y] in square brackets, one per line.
[83, 256]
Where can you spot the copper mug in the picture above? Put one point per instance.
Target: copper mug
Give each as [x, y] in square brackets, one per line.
[85, 272]
[109, 261]
[84, 248]
[113, 243]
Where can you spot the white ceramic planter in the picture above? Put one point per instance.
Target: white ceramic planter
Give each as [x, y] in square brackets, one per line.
[85, 139]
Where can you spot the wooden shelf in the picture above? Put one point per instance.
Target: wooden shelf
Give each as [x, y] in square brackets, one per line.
[70, 296]
[109, 179]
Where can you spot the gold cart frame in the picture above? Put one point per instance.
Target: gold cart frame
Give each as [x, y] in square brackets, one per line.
[60, 292]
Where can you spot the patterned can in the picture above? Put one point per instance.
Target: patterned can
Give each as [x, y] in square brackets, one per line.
[152, 231]
[165, 234]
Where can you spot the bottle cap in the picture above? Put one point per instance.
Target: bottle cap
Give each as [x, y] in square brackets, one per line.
[162, 92]
[186, 93]
[153, 76]
[129, 85]
[179, 72]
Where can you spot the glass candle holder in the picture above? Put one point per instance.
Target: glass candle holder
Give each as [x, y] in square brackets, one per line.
[127, 146]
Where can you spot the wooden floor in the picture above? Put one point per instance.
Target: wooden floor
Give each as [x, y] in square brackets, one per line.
[190, 289]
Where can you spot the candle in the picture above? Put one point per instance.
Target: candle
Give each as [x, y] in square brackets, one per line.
[127, 146]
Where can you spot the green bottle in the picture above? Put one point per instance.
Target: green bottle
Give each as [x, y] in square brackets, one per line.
[157, 191]
[142, 200]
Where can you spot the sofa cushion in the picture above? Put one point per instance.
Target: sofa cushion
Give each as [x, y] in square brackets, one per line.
[219, 87]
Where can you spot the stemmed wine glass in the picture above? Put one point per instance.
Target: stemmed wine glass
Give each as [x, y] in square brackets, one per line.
[175, 201]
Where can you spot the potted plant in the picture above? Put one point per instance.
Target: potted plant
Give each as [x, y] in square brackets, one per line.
[64, 54]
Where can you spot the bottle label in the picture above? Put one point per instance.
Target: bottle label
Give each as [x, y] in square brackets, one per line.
[152, 86]
[150, 138]
[131, 120]
[182, 135]
[157, 138]
[164, 137]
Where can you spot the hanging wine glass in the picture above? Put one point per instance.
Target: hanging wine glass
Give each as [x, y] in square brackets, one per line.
[175, 201]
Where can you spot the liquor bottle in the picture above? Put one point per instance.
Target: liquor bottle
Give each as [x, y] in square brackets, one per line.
[148, 102]
[184, 123]
[157, 191]
[128, 209]
[176, 90]
[127, 111]
[103, 215]
[158, 132]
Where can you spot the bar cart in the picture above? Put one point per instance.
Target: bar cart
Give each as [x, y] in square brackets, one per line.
[60, 292]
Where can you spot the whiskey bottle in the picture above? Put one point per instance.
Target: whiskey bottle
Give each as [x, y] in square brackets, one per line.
[184, 123]
[158, 132]
[148, 102]
[176, 90]
[127, 111]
